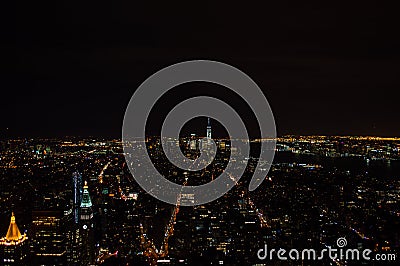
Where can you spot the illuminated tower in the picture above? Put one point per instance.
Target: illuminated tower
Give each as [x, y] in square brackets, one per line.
[205, 144]
[208, 129]
[87, 227]
[77, 181]
[75, 256]
[13, 247]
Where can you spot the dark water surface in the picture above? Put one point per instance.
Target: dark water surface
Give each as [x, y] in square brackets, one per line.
[356, 165]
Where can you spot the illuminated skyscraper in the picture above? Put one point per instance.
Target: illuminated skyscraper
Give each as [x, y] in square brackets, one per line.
[77, 182]
[13, 247]
[51, 231]
[87, 227]
[208, 129]
[75, 254]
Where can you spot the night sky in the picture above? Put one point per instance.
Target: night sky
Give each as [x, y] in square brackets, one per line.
[325, 69]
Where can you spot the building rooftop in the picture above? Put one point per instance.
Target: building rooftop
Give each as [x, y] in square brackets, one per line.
[13, 236]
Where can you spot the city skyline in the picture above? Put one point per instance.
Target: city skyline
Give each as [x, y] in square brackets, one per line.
[319, 189]
[296, 149]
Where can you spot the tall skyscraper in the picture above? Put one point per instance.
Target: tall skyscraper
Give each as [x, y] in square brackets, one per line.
[52, 224]
[208, 129]
[75, 254]
[77, 183]
[87, 227]
[13, 247]
[205, 143]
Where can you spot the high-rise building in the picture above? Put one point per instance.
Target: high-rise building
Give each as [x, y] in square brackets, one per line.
[208, 129]
[75, 254]
[87, 227]
[193, 142]
[13, 247]
[205, 144]
[77, 183]
[52, 229]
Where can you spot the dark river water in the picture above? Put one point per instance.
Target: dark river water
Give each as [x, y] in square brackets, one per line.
[375, 168]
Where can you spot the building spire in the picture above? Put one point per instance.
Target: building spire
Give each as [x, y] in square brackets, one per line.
[13, 233]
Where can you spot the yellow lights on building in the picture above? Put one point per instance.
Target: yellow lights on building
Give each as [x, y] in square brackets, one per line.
[14, 236]
[13, 247]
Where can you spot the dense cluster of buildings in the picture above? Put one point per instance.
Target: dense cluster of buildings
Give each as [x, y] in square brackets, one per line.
[76, 203]
[55, 237]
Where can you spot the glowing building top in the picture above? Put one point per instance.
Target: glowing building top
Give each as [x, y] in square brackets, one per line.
[86, 202]
[14, 236]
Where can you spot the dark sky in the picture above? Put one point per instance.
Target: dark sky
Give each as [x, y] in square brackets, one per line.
[325, 68]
